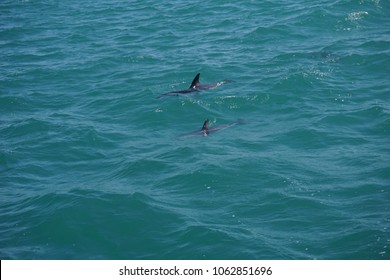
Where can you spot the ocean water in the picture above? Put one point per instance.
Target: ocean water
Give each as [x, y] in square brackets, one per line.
[90, 163]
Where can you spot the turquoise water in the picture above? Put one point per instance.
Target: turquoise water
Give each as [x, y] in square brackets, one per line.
[90, 163]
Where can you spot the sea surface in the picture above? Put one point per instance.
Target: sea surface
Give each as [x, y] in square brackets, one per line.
[90, 163]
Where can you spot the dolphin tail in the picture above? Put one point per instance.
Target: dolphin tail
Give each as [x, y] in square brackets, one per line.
[243, 121]
[195, 83]
[167, 94]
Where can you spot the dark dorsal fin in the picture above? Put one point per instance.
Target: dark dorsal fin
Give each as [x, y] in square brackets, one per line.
[205, 126]
[195, 83]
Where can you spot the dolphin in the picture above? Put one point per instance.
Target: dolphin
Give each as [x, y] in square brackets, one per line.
[195, 86]
[206, 130]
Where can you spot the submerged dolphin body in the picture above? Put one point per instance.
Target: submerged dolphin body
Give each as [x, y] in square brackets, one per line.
[206, 130]
[195, 86]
